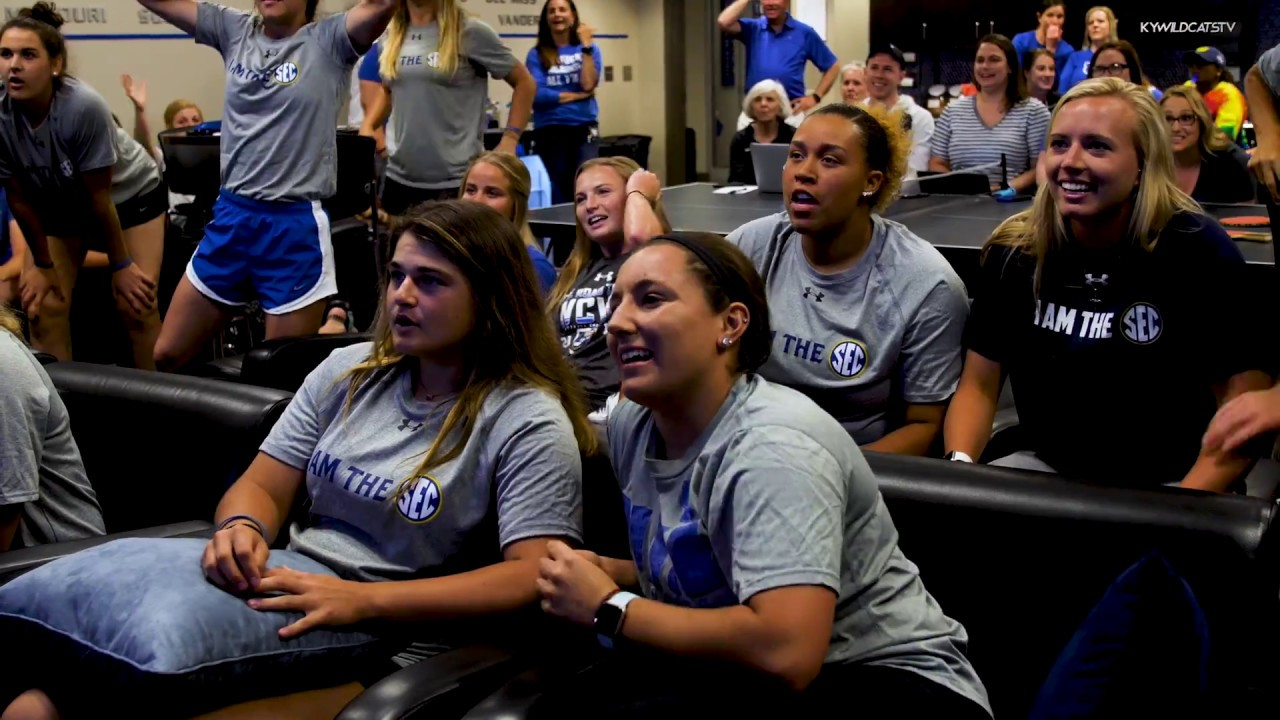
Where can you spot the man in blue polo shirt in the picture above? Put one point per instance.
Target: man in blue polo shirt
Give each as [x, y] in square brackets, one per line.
[778, 48]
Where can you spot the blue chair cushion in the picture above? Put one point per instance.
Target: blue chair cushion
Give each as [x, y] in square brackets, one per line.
[1143, 651]
[139, 610]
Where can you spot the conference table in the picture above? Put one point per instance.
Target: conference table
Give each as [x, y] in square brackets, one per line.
[957, 225]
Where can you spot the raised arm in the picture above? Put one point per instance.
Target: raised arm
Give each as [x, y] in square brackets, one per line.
[728, 19]
[179, 13]
[1265, 159]
[590, 68]
[641, 222]
[367, 20]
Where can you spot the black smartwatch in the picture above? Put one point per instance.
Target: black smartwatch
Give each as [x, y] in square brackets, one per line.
[610, 616]
[816, 97]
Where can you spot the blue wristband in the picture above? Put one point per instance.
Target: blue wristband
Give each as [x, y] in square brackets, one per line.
[514, 131]
[121, 265]
[257, 524]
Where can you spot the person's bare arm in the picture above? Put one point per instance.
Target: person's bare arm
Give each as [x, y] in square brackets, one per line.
[179, 13]
[937, 164]
[523, 89]
[728, 19]
[920, 428]
[967, 427]
[828, 80]
[1264, 161]
[1216, 469]
[367, 20]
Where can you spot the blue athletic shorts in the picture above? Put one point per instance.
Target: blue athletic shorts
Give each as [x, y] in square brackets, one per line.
[278, 253]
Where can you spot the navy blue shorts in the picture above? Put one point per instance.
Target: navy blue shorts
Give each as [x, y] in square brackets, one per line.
[278, 253]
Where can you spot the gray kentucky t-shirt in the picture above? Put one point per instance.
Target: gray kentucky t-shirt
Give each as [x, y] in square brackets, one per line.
[583, 322]
[135, 171]
[280, 122]
[438, 119]
[40, 464]
[1269, 67]
[48, 161]
[865, 342]
[521, 466]
[775, 494]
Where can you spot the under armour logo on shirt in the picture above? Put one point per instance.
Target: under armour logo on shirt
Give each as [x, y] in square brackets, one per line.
[1091, 281]
[604, 276]
[407, 424]
[817, 296]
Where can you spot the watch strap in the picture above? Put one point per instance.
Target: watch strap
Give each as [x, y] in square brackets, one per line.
[617, 603]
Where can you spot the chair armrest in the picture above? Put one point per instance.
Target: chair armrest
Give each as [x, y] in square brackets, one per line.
[515, 698]
[16, 562]
[475, 669]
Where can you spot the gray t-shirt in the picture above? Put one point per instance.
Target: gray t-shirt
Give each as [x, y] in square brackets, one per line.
[583, 326]
[1269, 67]
[520, 467]
[135, 172]
[775, 494]
[40, 464]
[48, 161]
[865, 342]
[438, 120]
[280, 123]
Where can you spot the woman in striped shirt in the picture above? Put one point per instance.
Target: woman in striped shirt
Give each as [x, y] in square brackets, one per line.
[1000, 121]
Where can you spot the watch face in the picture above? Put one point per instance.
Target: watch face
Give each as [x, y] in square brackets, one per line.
[608, 620]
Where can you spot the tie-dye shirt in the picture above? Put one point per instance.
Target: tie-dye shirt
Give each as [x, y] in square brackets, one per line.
[1228, 108]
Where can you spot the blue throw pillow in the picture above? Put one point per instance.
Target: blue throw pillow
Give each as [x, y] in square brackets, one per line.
[139, 614]
[1143, 651]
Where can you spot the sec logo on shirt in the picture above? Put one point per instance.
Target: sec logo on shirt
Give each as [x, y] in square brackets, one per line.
[286, 73]
[848, 359]
[1142, 324]
[421, 503]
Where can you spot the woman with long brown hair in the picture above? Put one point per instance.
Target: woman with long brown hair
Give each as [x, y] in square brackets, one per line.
[436, 462]
[618, 207]
[566, 64]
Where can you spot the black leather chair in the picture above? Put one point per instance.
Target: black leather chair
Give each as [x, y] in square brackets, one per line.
[1022, 558]
[282, 363]
[160, 449]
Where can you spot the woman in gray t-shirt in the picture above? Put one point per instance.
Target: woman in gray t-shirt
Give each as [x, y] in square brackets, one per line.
[435, 62]
[758, 532]
[74, 185]
[433, 470]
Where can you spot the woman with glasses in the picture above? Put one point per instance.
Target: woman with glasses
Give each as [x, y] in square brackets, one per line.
[1119, 59]
[1208, 166]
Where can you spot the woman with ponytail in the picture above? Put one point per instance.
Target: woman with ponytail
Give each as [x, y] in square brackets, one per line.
[269, 237]
[75, 182]
[435, 64]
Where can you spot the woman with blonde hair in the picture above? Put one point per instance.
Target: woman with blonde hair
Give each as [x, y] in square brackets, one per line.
[435, 63]
[434, 471]
[1209, 167]
[617, 207]
[1084, 303]
[769, 109]
[501, 181]
[1099, 28]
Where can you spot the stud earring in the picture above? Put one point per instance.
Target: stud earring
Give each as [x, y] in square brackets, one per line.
[725, 342]
[867, 193]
